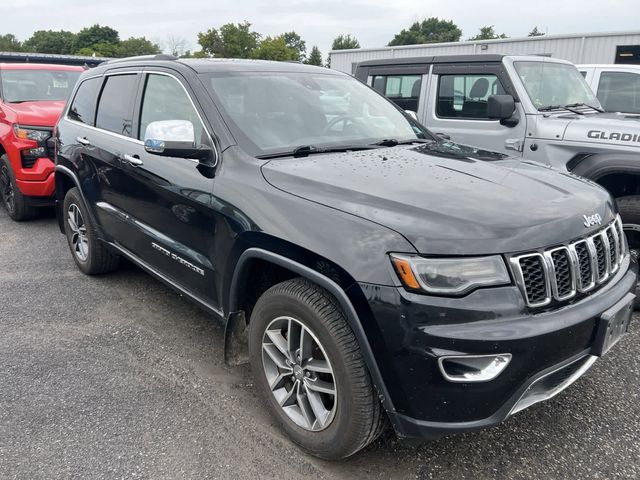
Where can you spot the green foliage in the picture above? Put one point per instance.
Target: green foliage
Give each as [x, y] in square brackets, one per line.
[230, 41]
[488, 33]
[535, 32]
[430, 30]
[137, 46]
[275, 48]
[315, 57]
[89, 37]
[295, 42]
[49, 41]
[9, 43]
[345, 42]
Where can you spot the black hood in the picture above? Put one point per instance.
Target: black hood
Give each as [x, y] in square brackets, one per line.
[448, 199]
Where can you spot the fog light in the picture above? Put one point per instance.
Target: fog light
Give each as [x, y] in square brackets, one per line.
[38, 152]
[473, 368]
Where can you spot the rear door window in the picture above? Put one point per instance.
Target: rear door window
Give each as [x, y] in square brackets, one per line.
[115, 107]
[83, 106]
[465, 95]
[619, 92]
[403, 90]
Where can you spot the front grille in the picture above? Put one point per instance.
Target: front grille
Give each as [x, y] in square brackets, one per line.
[559, 274]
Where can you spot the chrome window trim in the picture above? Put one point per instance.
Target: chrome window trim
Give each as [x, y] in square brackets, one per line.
[202, 122]
[135, 140]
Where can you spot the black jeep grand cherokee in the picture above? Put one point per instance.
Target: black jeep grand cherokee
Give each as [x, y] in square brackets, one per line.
[373, 271]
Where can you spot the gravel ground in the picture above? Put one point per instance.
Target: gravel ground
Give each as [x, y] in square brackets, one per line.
[119, 377]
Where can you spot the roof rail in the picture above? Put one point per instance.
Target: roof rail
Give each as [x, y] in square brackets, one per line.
[161, 56]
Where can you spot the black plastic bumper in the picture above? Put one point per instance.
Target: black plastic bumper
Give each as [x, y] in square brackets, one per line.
[414, 330]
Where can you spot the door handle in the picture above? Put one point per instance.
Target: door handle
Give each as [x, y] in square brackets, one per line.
[133, 160]
[83, 141]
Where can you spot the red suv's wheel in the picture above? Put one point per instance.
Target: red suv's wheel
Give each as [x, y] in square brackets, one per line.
[14, 201]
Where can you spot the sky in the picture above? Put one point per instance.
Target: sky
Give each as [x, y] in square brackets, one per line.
[372, 22]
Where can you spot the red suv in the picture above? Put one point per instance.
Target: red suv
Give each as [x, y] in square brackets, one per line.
[32, 97]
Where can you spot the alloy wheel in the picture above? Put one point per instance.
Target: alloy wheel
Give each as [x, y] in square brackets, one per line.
[8, 194]
[299, 374]
[79, 240]
[633, 237]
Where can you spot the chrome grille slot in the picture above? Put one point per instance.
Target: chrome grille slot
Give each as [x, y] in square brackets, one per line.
[562, 273]
[533, 275]
[559, 274]
[586, 280]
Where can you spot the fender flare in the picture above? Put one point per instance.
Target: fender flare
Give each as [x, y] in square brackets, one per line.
[333, 288]
[597, 165]
[66, 171]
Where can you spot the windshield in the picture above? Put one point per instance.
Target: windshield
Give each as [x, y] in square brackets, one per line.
[37, 85]
[272, 112]
[555, 84]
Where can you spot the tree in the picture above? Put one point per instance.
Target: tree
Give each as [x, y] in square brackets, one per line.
[430, 30]
[275, 48]
[230, 41]
[88, 37]
[101, 49]
[315, 57]
[535, 32]
[177, 46]
[295, 42]
[345, 42]
[137, 46]
[488, 33]
[49, 41]
[9, 43]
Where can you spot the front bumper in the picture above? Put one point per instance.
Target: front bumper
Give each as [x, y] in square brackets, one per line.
[550, 350]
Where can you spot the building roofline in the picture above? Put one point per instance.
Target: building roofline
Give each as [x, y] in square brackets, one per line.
[495, 40]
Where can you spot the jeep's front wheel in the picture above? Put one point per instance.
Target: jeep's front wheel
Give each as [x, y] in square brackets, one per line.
[91, 255]
[308, 365]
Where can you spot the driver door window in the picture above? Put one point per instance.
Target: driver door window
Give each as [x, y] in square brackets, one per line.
[465, 95]
[165, 99]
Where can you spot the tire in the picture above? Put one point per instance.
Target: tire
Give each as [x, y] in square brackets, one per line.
[14, 201]
[629, 208]
[342, 423]
[91, 255]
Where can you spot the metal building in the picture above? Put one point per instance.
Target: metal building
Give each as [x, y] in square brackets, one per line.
[613, 47]
[20, 57]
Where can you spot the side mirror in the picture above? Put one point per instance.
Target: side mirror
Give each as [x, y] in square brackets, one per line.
[500, 107]
[174, 138]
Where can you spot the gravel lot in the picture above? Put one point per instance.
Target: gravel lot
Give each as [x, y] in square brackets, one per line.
[119, 377]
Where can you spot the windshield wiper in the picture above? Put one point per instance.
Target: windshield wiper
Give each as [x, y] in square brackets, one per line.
[550, 107]
[392, 142]
[570, 107]
[306, 150]
[585, 105]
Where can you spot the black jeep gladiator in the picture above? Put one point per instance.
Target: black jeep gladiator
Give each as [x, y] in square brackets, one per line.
[371, 272]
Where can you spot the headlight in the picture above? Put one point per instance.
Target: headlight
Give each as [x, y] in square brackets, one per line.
[34, 134]
[450, 276]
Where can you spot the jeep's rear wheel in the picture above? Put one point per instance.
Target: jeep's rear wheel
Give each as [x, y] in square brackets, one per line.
[14, 201]
[308, 366]
[91, 255]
